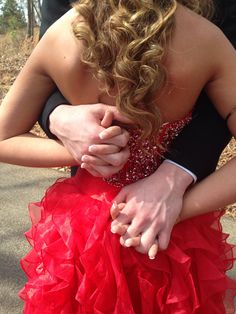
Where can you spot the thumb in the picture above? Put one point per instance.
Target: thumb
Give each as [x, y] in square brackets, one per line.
[116, 209]
[120, 117]
[120, 197]
[107, 119]
[118, 204]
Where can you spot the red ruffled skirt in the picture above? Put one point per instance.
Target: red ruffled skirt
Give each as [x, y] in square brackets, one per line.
[77, 266]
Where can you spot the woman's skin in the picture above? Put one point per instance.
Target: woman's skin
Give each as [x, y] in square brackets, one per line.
[198, 56]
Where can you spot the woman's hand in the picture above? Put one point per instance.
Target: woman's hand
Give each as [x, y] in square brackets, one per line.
[87, 133]
[109, 156]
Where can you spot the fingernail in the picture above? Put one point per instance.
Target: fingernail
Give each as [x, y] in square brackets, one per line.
[122, 242]
[84, 158]
[90, 149]
[152, 256]
[102, 135]
[128, 243]
[83, 166]
[113, 230]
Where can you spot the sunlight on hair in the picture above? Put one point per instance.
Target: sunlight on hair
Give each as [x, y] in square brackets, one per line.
[125, 43]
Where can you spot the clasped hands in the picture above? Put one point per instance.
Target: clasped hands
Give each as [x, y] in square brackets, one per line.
[144, 212]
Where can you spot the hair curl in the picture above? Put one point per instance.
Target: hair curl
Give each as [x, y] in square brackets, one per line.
[124, 44]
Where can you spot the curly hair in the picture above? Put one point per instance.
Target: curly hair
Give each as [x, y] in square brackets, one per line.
[124, 44]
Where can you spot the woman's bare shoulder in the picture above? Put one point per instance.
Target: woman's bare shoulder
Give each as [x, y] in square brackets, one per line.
[199, 40]
[60, 34]
[61, 49]
[196, 28]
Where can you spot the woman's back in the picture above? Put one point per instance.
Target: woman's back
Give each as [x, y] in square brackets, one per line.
[191, 62]
[77, 265]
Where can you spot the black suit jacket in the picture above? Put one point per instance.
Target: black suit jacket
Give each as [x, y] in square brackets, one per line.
[51, 11]
[200, 144]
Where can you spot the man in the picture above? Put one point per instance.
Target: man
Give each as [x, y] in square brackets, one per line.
[192, 156]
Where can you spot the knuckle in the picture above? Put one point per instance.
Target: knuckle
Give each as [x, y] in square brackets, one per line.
[133, 231]
[117, 162]
[106, 173]
[126, 137]
[123, 141]
[93, 138]
[125, 154]
[84, 150]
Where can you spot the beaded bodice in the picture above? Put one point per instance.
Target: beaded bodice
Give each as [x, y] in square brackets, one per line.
[147, 155]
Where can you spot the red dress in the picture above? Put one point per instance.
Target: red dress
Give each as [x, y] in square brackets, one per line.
[77, 266]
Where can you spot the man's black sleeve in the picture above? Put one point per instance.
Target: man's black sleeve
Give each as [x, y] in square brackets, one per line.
[55, 100]
[200, 144]
[51, 11]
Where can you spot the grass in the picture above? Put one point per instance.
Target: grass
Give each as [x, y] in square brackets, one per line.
[15, 49]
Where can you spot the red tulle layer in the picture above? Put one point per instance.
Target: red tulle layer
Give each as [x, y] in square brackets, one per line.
[77, 265]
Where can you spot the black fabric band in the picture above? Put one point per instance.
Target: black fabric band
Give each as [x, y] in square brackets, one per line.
[55, 100]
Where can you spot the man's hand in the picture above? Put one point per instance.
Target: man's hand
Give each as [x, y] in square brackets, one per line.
[86, 132]
[149, 209]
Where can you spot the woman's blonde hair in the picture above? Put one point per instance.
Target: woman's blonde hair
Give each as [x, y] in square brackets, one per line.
[124, 44]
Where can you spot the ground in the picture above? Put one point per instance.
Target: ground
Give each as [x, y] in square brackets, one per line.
[15, 49]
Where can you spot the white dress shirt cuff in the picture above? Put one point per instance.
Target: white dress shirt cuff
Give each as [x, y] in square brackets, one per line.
[183, 168]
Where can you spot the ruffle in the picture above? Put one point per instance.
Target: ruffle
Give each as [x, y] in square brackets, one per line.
[77, 265]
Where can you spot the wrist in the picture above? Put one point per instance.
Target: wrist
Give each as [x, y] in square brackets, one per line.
[57, 120]
[176, 176]
[194, 177]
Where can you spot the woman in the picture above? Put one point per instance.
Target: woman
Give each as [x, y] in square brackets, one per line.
[149, 60]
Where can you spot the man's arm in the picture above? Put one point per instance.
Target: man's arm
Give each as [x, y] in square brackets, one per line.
[55, 100]
[200, 144]
[225, 18]
[52, 10]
